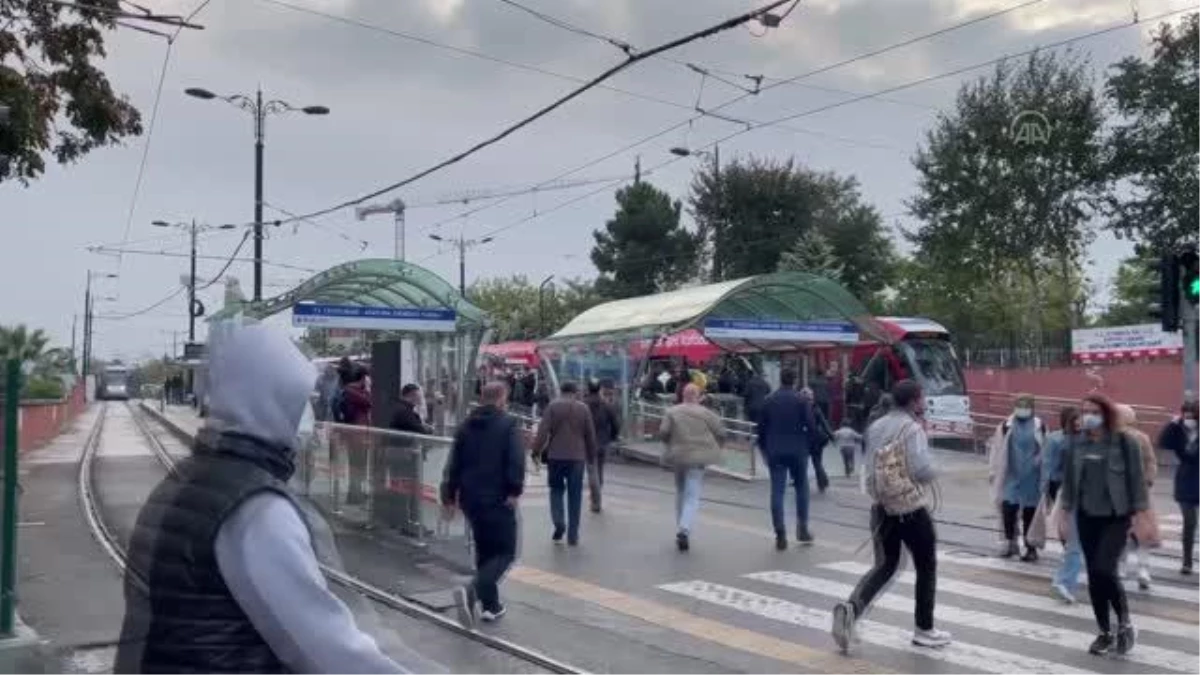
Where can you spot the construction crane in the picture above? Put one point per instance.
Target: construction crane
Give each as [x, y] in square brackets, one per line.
[467, 196]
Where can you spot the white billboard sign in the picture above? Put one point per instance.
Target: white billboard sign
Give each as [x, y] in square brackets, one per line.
[1122, 342]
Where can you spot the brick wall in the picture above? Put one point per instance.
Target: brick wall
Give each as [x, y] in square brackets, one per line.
[1144, 384]
[40, 421]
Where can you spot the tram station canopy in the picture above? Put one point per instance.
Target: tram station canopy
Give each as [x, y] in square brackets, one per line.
[784, 298]
[375, 282]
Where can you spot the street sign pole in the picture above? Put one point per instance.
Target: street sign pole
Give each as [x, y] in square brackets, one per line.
[1189, 319]
[8, 561]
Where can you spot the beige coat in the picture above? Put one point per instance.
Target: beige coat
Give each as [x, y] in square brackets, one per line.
[693, 435]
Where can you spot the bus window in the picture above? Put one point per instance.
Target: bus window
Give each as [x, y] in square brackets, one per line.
[934, 364]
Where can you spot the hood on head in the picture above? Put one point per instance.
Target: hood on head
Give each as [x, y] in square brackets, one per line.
[259, 385]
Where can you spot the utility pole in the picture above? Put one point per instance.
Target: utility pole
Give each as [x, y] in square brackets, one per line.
[718, 236]
[542, 305]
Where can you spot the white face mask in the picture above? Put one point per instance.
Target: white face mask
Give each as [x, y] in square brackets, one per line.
[1023, 413]
[1091, 422]
[1189, 423]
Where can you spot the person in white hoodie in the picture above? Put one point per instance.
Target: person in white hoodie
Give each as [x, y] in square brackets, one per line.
[223, 571]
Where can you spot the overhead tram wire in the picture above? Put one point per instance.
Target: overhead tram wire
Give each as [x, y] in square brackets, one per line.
[823, 69]
[619, 44]
[158, 89]
[554, 105]
[908, 85]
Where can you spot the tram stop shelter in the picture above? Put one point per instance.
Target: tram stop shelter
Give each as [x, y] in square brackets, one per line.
[784, 312]
[423, 332]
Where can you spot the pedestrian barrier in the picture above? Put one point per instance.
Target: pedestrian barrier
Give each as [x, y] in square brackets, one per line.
[381, 479]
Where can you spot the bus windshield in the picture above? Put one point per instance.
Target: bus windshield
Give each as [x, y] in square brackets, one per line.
[115, 377]
[935, 365]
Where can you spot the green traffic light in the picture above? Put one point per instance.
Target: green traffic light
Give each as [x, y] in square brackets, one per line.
[1193, 289]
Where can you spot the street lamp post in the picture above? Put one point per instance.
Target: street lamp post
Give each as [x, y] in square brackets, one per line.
[715, 156]
[463, 245]
[542, 305]
[88, 305]
[259, 109]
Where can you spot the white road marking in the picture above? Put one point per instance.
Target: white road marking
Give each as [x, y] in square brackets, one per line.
[1042, 603]
[992, 623]
[961, 654]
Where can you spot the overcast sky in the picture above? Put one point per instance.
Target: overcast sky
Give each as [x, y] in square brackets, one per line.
[399, 106]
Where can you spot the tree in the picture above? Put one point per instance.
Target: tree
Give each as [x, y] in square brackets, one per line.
[22, 344]
[643, 249]
[1133, 285]
[1155, 149]
[59, 103]
[513, 305]
[813, 254]
[992, 203]
[757, 209]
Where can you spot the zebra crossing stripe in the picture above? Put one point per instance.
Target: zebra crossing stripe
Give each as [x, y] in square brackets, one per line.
[1156, 590]
[1023, 600]
[1155, 561]
[993, 623]
[961, 654]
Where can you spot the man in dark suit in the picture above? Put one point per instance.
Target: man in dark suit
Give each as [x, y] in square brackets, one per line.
[787, 433]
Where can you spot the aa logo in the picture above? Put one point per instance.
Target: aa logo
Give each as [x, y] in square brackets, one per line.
[1030, 127]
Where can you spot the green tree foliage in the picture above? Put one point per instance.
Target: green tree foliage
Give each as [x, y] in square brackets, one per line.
[812, 253]
[513, 305]
[994, 209]
[44, 368]
[1133, 285]
[643, 249]
[752, 211]
[60, 104]
[1155, 145]
[22, 344]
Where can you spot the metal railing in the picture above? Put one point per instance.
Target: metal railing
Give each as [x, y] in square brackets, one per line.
[739, 453]
[381, 479]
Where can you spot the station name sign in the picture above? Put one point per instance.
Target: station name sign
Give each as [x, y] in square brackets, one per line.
[437, 320]
[790, 331]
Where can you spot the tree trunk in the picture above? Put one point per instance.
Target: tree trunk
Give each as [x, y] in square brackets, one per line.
[1039, 320]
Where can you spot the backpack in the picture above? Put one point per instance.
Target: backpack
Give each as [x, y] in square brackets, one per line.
[894, 488]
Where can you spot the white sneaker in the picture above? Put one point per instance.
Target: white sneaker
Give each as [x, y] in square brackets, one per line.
[843, 626]
[490, 616]
[931, 638]
[1143, 578]
[1062, 593]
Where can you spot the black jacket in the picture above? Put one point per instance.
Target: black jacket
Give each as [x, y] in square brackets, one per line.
[605, 419]
[180, 617]
[407, 419]
[487, 461]
[1174, 437]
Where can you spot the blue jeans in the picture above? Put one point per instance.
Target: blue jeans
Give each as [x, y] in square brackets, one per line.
[1068, 570]
[688, 480]
[780, 468]
[566, 479]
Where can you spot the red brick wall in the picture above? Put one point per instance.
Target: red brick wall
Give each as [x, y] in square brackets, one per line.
[1147, 384]
[41, 421]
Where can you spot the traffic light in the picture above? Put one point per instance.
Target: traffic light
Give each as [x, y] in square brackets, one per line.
[1189, 278]
[1165, 304]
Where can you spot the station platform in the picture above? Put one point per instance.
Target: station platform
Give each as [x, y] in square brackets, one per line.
[625, 600]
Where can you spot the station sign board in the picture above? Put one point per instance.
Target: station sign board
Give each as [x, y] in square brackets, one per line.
[411, 319]
[789, 331]
[1123, 342]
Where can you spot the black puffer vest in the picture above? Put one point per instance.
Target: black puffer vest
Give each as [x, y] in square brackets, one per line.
[180, 617]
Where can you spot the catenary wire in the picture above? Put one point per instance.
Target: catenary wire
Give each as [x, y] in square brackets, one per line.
[907, 85]
[551, 107]
[158, 90]
[619, 44]
[823, 69]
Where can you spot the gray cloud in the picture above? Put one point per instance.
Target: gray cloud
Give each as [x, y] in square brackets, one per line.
[399, 106]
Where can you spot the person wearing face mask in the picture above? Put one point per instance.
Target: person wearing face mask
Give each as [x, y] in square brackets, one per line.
[1103, 490]
[1014, 462]
[1180, 437]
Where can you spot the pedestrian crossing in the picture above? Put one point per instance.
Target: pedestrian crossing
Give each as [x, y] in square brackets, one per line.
[997, 629]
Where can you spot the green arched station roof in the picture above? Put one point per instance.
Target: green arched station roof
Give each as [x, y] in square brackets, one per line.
[374, 282]
[782, 296]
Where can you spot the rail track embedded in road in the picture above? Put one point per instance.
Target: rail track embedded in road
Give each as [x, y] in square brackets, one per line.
[112, 547]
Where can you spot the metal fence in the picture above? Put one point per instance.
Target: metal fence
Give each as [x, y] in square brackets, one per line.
[381, 479]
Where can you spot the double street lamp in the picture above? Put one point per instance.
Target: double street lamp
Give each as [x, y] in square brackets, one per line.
[463, 245]
[259, 109]
[89, 304]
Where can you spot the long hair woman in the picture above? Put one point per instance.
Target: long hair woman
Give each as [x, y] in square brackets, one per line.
[1103, 487]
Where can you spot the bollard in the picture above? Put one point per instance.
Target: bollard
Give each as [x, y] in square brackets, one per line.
[8, 564]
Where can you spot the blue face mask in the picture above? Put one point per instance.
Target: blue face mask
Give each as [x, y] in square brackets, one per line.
[1091, 422]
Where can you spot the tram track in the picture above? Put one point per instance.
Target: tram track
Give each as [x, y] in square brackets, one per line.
[110, 541]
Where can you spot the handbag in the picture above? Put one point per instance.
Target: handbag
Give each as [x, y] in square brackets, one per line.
[1144, 524]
